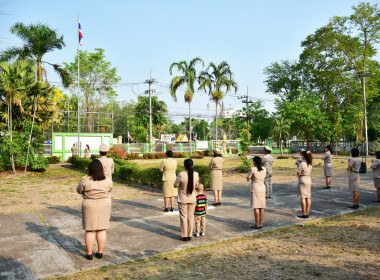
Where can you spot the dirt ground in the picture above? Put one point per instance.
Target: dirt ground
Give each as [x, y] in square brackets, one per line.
[57, 186]
[343, 247]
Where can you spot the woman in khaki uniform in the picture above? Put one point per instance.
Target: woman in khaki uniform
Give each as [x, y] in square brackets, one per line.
[354, 178]
[328, 166]
[169, 168]
[257, 176]
[375, 166]
[87, 151]
[187, 181]
[96, 207]
[216, 165]
[74, 150]
[106, 162]
[304, 183]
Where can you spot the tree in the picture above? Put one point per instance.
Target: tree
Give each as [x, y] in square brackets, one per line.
[201, 128]
[124, 118]
[281, 130]
[39, 39]
[227, 126]
[217, 83]
[96, 81]
[189, 77]
[260, 121]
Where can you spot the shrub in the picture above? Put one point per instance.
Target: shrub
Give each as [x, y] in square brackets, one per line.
[245, 161]
[204, 175]
[243, 168]
[344, 153]
[54, 159]
[209, 153]
[38, 163]
[95, 156]
[186, 155]
[82, 163]
[117, 152]
[283, 157]
[234, 151]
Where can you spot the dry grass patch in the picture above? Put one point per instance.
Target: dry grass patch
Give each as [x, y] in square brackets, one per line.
[344, 247]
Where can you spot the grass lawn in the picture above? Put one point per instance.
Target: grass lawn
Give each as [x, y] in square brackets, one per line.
[343, 247]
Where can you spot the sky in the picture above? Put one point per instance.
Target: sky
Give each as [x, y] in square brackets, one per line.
[143, 36]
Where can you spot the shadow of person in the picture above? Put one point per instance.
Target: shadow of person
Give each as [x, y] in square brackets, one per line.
[54, 236]
[12, 269]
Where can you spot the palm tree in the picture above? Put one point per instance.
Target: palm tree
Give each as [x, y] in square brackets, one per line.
[15, 79]
[220, 77]
[39, 39]
[281, 130]
[188, 79]
[227, 125]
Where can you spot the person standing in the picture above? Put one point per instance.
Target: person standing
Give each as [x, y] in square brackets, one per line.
[328, 166]
[376, 175]
[96, 207]
[169, 168]
[106, 162]
[216, 166]
[304, 183]
[87, 151]
[201, 205]
[187, 181]
[267, 162]
[299, 159]
[74, 150]
[354, 177]
[257, 175]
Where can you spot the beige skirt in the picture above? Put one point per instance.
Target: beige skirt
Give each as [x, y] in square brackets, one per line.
[96, 214]
[304, 187]
[328, 169]
[353, 182]
[376, 182]
[168, 188]
[258, 200]
[216, 180]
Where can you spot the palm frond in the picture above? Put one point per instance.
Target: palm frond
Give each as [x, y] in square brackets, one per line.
[63, 74]
[175, 84]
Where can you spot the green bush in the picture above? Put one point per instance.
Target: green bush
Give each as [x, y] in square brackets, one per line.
[209, 153]
[94, 156]
[243, 168]
[54, 159]
[344, 153]
[38, 163]
[82, 163]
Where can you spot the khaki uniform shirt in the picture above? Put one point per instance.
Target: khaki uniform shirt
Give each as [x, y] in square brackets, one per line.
[304, 169]
[95, 189]
[181, 181]
[74, 150]
[216, 163]
[355, 163]
[327, 157]
[267, 162]
[375, 166]
[169, 167]
[257, 179]
[107, 165]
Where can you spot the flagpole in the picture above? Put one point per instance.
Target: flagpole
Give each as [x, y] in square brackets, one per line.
[79, 148]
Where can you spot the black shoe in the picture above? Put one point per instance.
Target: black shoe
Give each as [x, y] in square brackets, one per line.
[327, 188]
[376, 201]
[90, 257]
[183, 239]
[166, 210]
[171, 209]
[219, 203]
[269, 197]
[303, 216]
[189, 238]
[215, 204]
[255, 227]
[99, 255]
[354, 206]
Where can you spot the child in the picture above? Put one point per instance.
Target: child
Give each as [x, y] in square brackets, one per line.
[200, 212]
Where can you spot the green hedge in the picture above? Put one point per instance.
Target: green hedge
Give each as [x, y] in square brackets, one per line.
[131, 171]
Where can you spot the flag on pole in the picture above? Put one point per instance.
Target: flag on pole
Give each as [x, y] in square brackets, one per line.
[129, 137]
[195, 137]
[80, 33]
[147, 137]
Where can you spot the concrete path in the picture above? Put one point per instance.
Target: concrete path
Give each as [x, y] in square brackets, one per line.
[51, 242]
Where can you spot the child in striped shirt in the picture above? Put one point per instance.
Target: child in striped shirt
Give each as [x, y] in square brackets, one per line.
[200, 212]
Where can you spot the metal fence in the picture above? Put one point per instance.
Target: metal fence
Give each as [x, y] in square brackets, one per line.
[318, 147]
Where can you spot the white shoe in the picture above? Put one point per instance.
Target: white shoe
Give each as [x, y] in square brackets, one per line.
[197, 235]
[203, 233]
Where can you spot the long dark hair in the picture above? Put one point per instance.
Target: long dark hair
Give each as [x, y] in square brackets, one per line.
[355, 152]
[190, 171]
[96, 170]
[328, 147]
[308, 157]
[258, 162]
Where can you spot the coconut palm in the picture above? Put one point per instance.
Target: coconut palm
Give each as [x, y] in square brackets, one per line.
[189, 77]
[15, 80]
[39, 39]
[228, 125]
[217, 82]
[281, 130]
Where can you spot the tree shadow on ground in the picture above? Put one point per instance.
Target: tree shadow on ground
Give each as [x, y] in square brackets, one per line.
[12, 269]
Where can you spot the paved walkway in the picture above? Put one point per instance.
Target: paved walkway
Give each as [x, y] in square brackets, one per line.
[51, 242]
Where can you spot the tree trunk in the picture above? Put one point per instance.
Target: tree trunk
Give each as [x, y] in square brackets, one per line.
[10, 132]
[39, 71]
[31, 132]
[190, 126]
[216, 124]
[282, 153]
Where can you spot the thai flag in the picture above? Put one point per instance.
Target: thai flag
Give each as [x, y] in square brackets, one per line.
[195, 137]
[129, 137]
[147, 137]
[80, 33]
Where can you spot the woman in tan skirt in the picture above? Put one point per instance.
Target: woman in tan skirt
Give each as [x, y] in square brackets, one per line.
[187, 181]
[169, 168]
[87, 151]
[257, 176]
[354, 178]
[304, 183]
[216, 165]
[96, 207]
[328, 166]
[375, 166]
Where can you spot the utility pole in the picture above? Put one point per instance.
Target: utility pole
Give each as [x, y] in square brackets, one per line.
[150, 91]
[247, 102]
[365, 116]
